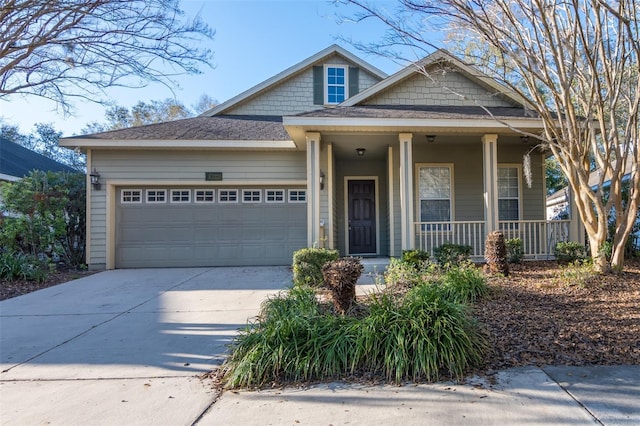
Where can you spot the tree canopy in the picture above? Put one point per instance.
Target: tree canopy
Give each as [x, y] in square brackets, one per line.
[65, 49]
[577, 66]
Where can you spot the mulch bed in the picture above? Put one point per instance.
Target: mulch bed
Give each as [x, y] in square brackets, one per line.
[534, 318]
[15, 288]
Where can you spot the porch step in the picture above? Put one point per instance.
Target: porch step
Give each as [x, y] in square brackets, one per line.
[373, 266]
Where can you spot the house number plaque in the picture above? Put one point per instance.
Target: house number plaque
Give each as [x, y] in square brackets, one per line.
[213, 176]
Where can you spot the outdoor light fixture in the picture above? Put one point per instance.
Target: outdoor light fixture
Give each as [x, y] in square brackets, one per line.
[431, 138]
[95, 179]
[321, 180]
[360, 151]
[524, 139]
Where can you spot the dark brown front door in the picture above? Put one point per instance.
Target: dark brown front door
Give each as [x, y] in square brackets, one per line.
[362, 216]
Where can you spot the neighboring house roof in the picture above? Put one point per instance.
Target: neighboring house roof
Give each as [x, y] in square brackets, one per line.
[440, 56]
[292, 71]
[17, 162]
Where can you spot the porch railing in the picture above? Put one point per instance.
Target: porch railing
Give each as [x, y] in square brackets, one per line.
[539, 237]
[430, 235]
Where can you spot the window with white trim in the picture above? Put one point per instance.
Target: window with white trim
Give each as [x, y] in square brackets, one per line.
[336, 84]
[156, 196]
[180, 196]
[435, 194]
[297, 195]
[274, 195]
[131, 196]
[508, 193]
[205, 195]
[227, 195]
[251, 196]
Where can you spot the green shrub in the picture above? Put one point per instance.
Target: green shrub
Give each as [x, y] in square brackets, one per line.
[417, 258]
[14, 266]
[569, 251]
[407, 274]
[415, 337]
[308, 263]
[465, 283]
[515, 250]
[580, 273]
[452, 254]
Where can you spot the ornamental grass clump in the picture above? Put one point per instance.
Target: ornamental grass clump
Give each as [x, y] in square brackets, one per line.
[464, 284]
[341, 276]
[418, 336]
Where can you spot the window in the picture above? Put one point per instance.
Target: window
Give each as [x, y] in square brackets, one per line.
[228, 195]
[251, 195]
[156, 195]
[336, 86]
[131, 196]
[435, 193]
[274, 195]
[508, 193]
[205, 195]
[180, 196]
[297, 196]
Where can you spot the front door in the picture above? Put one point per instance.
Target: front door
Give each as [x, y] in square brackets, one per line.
[362, 216]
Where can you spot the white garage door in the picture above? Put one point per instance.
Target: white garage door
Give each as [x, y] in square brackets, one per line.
[187, 227]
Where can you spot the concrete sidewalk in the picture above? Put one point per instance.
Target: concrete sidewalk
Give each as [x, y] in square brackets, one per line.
[125, 347]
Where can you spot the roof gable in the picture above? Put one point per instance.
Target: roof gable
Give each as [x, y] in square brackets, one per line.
[332, 54]
[18, 161]
[438, 79]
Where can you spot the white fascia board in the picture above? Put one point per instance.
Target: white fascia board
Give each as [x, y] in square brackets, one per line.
[289, 72]
[9, 178]
[176, 144]
[376, 123]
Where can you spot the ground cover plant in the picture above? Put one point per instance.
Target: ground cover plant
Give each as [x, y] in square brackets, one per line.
[418, 332]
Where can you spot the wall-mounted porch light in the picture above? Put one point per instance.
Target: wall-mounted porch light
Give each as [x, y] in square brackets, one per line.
[431, 138]
[360, 151]
[321, 180]
[95, 179]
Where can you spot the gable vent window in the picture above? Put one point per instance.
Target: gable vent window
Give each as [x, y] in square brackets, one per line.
[336, 84]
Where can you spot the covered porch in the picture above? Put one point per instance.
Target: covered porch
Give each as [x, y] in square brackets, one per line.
[379, 193]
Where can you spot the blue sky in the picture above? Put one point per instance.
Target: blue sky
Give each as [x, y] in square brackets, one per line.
[254, 40]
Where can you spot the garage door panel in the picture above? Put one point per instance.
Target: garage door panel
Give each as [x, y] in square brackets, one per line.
[208, 234]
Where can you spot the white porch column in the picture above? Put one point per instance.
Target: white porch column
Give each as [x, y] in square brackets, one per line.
[313, 189]
[490, 175]
[406, 191]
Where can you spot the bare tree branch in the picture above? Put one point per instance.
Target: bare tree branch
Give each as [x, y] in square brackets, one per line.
[65, 49]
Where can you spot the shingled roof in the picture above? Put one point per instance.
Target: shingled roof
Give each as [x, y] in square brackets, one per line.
[221, 127]
[421, 112]
[17, 161]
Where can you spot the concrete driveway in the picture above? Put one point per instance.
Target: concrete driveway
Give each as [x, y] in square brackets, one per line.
[124, 346]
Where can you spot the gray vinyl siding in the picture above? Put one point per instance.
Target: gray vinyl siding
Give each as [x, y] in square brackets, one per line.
[450, 89]
[397, 218]
[355, 169]
[324, 195]
[296, 94]
[173, 165]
